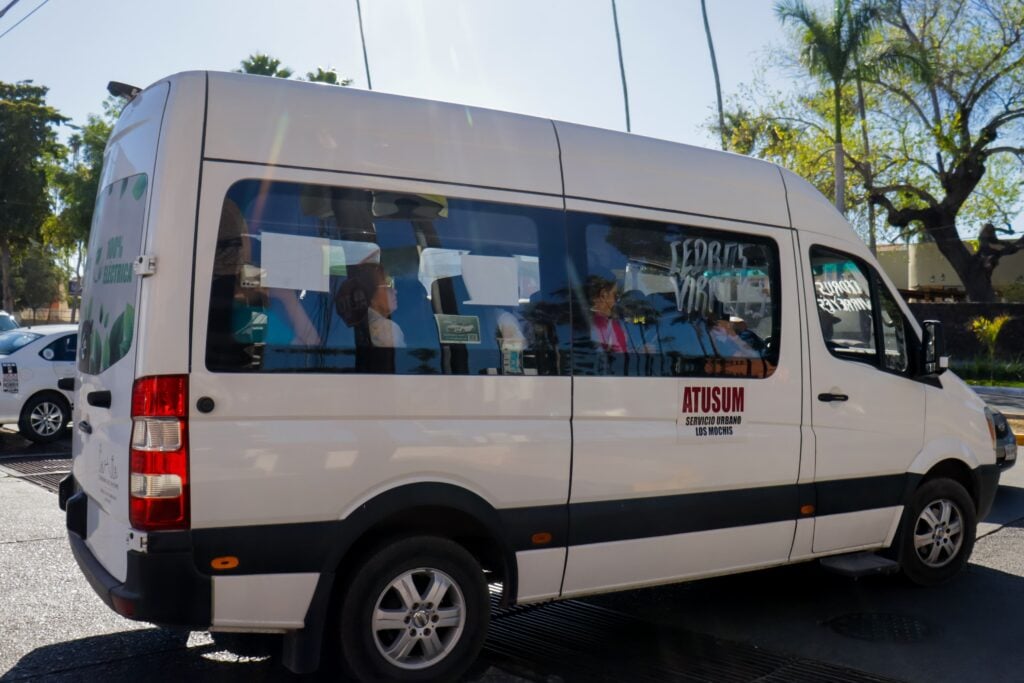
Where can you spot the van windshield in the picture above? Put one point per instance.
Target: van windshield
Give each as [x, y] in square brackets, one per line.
[110, 285]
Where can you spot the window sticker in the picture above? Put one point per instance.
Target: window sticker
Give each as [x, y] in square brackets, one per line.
[458, 329]
[111, 285]
[713, 411]
[835, 296]
[10, 378]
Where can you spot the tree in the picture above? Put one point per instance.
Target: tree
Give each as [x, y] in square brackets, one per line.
[29, 144]
[954, 110]
[76, 184]
[329, 76]
[37, 279]
[261, 64]
[829, 49]
[714, 70]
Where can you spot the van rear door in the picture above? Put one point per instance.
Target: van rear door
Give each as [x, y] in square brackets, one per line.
[106, 350]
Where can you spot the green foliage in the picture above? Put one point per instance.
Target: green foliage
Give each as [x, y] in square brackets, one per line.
[983, 370]
[37, 279]
[987, 331]
[29, 149]
[261, 64]
[943, 84]
[329, 76]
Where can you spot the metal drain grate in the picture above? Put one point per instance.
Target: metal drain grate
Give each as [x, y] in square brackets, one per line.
[879, 628]
[45, 472]
[578, 641]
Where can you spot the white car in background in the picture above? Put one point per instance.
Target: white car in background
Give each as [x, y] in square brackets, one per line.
[32, 360]
[8, 321]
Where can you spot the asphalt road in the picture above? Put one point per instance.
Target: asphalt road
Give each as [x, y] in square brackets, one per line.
[790, 624]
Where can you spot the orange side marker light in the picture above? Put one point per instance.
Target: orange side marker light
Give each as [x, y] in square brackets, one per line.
[226, 562]
[806, 510]
[541, 538]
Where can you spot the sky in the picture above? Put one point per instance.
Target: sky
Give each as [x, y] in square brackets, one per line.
[549, 58]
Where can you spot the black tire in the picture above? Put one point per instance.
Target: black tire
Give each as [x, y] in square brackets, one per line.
[424, 650]
[44, 417]
[937, 533]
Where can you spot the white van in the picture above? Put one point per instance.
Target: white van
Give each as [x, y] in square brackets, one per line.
[347, 359]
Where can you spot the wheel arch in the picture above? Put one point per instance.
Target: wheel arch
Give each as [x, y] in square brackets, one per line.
[434, 509]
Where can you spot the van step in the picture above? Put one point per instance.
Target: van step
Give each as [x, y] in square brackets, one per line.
[856, 565]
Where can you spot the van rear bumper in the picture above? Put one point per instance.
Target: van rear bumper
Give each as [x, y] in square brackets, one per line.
[161, 587]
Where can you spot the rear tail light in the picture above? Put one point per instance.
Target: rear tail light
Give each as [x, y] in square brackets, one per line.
[159, 453]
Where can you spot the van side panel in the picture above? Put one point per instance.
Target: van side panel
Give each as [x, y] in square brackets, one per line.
[357, 131]
[301, 449]
[636, 171]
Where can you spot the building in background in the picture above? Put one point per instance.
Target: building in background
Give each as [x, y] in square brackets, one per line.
[922, 273]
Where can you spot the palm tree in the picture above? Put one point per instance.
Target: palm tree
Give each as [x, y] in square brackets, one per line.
[262, 64]
[714, 69]
[329, 76]
[830, 47]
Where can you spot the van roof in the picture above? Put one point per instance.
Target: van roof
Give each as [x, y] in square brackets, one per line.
[261, 120]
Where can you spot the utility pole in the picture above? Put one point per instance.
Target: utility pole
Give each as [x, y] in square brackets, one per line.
[622, 68]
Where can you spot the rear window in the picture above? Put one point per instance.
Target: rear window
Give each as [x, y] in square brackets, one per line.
[13, 340]
[7, 322]
[110, 286]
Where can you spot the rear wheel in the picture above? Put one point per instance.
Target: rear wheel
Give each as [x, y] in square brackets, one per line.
[938, 532]
[415, 610]
[44, 417]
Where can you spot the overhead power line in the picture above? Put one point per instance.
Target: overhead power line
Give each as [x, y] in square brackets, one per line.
[38, 7]
[11, 4]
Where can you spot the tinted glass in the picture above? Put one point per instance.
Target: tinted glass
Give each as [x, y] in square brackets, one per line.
[894, 327]
[673, 300]
[330, 279]
[13, 340]
[7, 322]
[843, 296]
[61, 350]
[110, 285]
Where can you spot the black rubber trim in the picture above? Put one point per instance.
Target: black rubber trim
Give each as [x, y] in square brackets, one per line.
[321, 546]
[621, 520]
[987, 477]
[865, 493]
[164, 588]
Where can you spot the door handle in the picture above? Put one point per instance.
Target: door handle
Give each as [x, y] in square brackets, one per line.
[100, 399]
[85, 427]
[833, 397]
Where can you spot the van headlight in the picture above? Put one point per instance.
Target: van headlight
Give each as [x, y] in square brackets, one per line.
[1003, 440]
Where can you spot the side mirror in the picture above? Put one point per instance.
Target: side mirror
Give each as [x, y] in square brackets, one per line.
[934, 361]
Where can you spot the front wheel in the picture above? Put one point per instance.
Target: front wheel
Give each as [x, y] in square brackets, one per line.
[938, 532]
[415, 610]
[44, 418]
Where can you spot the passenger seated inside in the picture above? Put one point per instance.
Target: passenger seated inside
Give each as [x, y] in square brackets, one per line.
[605, 331]
[378, 290]
[727, 342]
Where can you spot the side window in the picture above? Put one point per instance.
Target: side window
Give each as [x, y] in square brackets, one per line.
[852, 327]
[63, 350]
[843, 294]
[666, 300]
[895, 357]
[329, 279]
